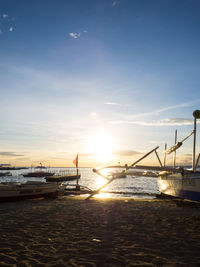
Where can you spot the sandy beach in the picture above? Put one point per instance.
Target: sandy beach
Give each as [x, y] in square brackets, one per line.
[74, 232]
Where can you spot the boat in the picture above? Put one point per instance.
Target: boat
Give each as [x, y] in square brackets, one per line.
[38, 174]
[182, 183]
[2, 174]
[8, 167]
[179, 182]
[62, 178]
[11, 191]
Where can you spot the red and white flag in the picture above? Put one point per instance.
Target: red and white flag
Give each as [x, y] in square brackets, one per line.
[76, 161]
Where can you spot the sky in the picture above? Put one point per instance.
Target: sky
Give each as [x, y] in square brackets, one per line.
[107, 80]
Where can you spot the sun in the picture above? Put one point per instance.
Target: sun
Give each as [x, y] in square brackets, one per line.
[100, 145]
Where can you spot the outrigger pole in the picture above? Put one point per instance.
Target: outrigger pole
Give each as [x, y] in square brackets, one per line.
[119, 174]
[165, 155]
[178, 144]
[175, 149]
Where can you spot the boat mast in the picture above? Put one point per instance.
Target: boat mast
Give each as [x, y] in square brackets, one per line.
[196, 115]
[175, 150]
[165, 155]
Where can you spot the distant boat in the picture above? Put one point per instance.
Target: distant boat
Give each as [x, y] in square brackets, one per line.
[40, 166]
[38, 174]
[31, 189]
[2, 174]
[9, 168]
[63, 178]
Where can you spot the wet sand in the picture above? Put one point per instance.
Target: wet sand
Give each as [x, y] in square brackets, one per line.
[74, 232]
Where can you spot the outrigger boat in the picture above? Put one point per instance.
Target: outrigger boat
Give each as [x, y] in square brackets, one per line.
[11, 191]
[173, 181]
[63, 178]
[2, 174]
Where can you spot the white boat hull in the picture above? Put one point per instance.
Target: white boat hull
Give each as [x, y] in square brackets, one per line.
[185, 186]
[28, 190]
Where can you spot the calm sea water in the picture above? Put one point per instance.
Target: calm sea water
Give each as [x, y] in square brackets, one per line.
[130, 187]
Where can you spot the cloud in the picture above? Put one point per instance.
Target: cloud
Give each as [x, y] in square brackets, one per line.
[75, 35]
[112, 103]
[4, 16]
[115, 104]
[114, 3]
[10, 154]
[185, 159]
[158, 111]
[164, 122]
[22, 159]
[7, 23]
[126, 152]
[11, 29]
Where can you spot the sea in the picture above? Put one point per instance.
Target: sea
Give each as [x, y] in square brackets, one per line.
[128, 187]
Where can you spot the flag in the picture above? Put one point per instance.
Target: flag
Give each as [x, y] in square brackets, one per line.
[76, 161]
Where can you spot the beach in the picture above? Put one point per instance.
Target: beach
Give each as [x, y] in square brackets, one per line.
[70, 231]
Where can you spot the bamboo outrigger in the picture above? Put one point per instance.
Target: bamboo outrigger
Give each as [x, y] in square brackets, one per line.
[118, 175]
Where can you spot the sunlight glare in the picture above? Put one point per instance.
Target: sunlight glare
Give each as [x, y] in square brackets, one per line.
[101, 145]
[100, 181]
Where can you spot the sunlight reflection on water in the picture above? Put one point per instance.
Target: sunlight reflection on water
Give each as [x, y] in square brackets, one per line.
[103, 195]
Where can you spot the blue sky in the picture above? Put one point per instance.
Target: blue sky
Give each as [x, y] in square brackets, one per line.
[96, 77]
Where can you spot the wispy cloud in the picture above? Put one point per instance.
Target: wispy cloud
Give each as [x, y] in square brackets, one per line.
[182, 105]
[10, 154]
[164, 122]
[7, 23]
[11, 29]
[126, 152]
[115, 104]
[158, 111]
[4, 16]
[112, 103]
[114, 3]
[185, 159]
[75, 35]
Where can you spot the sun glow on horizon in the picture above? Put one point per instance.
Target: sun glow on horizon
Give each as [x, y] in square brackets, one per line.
[101, 145]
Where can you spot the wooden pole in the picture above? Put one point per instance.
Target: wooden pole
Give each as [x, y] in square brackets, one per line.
[197, 162]
[158, 158]
[194, 146]
[147, 154]
[99, 189]
[175, 150]
[165, 155]
[77, 175]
